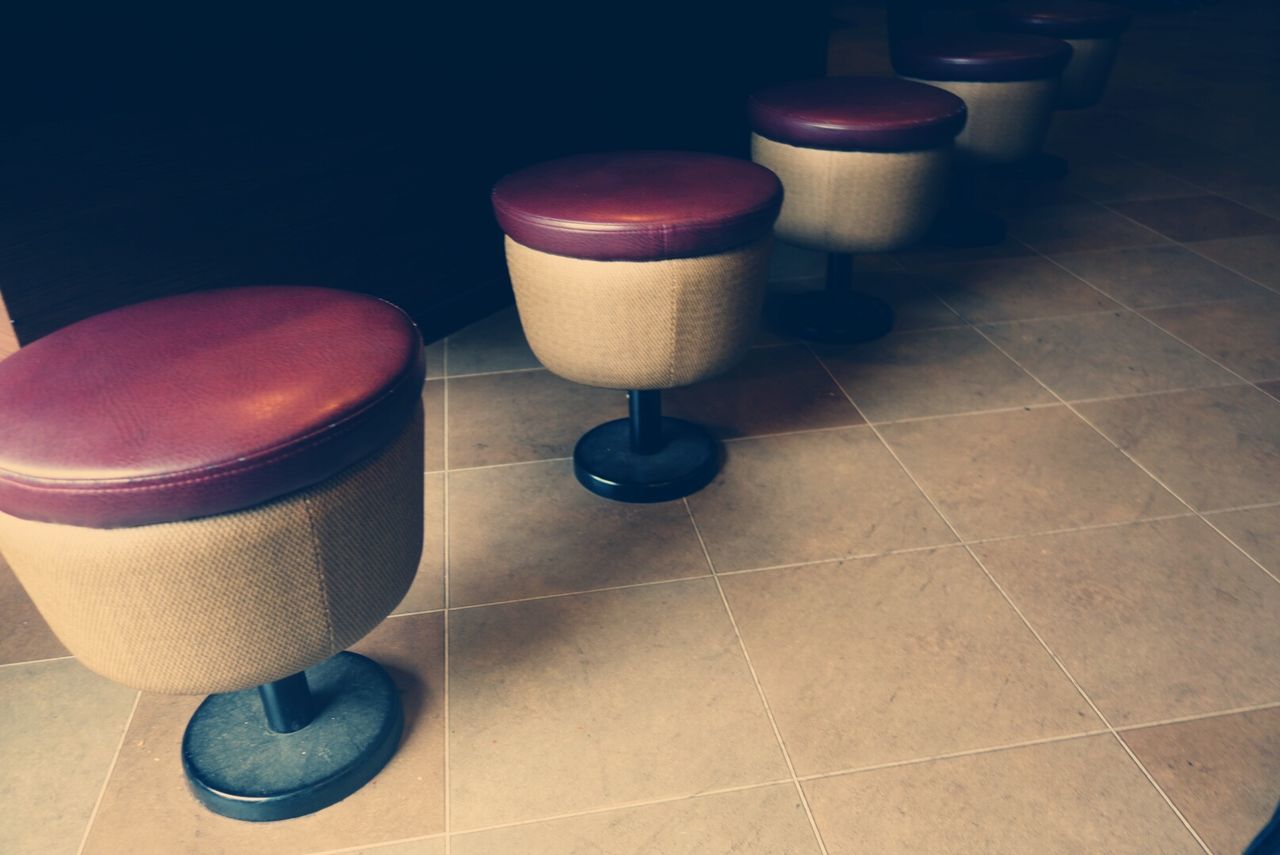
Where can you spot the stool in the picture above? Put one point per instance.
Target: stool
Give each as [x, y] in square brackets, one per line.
[1093, 31]
[640, 271]
[212, 492]
[1009, 82]
[865, 162]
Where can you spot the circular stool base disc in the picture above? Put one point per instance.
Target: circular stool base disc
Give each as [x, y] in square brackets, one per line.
[605, 464]
[1040, 167]
[238, 767]
[965, 227]
[833, 317]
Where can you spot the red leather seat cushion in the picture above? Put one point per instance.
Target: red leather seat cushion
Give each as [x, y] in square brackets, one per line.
[981, 57]
[857, 114]
[202, 403]
[638, 206]
[1063, 19]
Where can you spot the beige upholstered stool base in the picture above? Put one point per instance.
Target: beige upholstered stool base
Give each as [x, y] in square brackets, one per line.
[1085, 77]
[232, 601]
[854, 201]
[1007, 120]
[639, 324]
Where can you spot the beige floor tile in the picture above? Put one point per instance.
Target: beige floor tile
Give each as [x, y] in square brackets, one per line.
[528, 415]
[147, 807]
[1223, 773]
[60, 726]
[1104, 354]
[1025, 471]
[1194, 218]
[1256, 531]
[766, 821]
[1243, 335]
[1070, 228]
[811, 497]
[1215, 448]
[910, 295]
[1260, 197]
[922, 257]
[1010, 290]
[1145, 616]
[773, 390]
[1146, 276]
[496, 343]
[895, 658]
[1064, 798]
[1121, 180]
[930, 373]
[24, 635]
[1257, 257]
[427, 591]
[532, 530]
[433, 412]
[573, 703]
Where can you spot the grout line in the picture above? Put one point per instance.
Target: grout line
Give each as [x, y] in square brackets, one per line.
[562, 594]
[510, 463]
[446, 807]
[741, 788]
[1027, 623]
[952, 755]
[1199, 716]
[36, 661]
[764, 699]
[492, 373]
[374, 847]
[102, 791]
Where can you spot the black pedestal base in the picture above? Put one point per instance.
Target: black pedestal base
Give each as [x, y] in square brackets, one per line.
[1041, 167]
[238, 767]
[833, 317]
[960, 227]
[686, 460]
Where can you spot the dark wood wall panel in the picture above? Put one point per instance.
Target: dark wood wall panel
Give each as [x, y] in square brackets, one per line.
[158, 149]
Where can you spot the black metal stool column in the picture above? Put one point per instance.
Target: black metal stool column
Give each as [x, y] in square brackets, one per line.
[647, 457]
[296, 745]
[837, 314]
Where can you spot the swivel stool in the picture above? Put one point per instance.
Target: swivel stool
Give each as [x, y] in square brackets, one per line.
[216, 493]
[1092, 29]
[640, 271]
[865, 163]
[1009, 82]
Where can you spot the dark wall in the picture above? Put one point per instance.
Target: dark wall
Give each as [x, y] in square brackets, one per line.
[161, 149]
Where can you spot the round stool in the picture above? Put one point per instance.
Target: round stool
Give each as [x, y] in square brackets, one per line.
[1093, 31]
[212, 492]
[640, 271]
[1009, 82]
[865, 162]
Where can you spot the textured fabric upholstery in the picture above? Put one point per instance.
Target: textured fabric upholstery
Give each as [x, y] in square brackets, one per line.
[639, 324]
[1007, 121]
[1085, 77]
[854, 201]
[227, 602]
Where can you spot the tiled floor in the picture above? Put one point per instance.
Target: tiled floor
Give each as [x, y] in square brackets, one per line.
[1005, 581]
